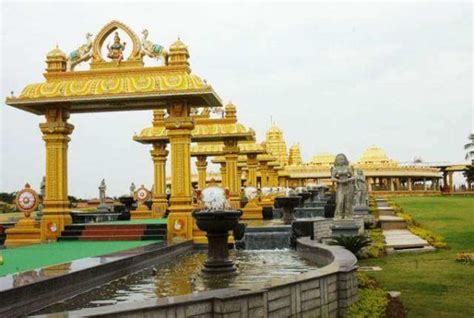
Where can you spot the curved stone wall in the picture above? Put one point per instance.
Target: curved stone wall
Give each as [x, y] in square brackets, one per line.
[323, 292]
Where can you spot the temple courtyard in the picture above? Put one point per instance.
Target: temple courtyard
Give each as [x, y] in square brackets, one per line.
[293, 160]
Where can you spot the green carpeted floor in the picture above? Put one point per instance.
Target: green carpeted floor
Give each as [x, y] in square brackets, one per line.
[30, 257]
[144, 221]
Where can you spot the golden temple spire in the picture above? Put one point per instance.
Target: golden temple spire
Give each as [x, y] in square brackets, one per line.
[230, 111]
[276, 145]
[294, 158]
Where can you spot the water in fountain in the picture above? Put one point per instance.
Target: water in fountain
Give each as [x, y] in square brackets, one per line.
[267, 238]
[183, 276]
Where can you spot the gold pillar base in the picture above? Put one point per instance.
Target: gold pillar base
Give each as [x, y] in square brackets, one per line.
[252, 212]
[179, 225]
[266, 203]
[54, 220]
[235, 202]
[159, 208]
[142, 212]
[25, 232]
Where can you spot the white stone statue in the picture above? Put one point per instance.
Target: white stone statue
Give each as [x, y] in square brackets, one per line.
[152, 50]
[81, 54]
[343, 175]
[102, 189]
[362, 195]
[132, 189]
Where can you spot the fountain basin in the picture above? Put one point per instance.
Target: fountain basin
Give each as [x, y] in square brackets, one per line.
[217, 225]
[288, 204]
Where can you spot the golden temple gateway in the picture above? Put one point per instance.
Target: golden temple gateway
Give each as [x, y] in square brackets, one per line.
[186, 110]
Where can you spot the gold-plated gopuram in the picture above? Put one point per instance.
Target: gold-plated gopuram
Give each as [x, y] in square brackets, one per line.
[117, 82]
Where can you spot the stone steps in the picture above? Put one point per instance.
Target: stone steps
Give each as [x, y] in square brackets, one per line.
[398, 239]
[388, 222]
[113, 232]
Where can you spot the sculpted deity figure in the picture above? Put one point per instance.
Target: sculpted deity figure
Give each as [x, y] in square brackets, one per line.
[361, 197]
[81, 54]
[116, 49]
[132, 189]
[343, 175]
[102, 189]
[152, 50]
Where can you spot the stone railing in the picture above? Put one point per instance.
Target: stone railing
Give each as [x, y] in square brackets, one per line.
[324, 292]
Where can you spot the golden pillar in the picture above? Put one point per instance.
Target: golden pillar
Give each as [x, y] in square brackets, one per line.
[56, 131]
[179, 126]
[159, 155]
[263, 174]
[252, 165]
[223, 171]
[231, 153]
[201, 165]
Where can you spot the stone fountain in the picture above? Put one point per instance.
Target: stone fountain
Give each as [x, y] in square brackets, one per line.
[217, 218]
[288, 203]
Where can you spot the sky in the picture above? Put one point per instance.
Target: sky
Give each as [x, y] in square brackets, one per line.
[334, 76]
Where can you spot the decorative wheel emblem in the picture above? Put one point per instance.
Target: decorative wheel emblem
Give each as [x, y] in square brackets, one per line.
[27, 200]
[142, 195]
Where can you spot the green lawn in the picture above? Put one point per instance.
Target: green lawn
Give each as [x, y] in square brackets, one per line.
[34, 256]
[434, 284]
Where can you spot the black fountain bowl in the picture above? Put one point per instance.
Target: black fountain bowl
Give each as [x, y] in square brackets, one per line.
[217, 221]
[304, 195]
[288, 201]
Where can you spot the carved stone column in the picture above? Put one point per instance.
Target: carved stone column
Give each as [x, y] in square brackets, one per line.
[179, 126]
[451, 183]
[201, 165]
[56, 131]
[159, 155]
[410, 184]
[252, 165]
[231, 153]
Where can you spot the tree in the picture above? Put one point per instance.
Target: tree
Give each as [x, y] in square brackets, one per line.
[469, 175]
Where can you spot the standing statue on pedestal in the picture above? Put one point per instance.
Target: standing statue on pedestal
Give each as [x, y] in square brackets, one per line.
[343, 175]
[102, 189]
[362, 195]
[132, 189]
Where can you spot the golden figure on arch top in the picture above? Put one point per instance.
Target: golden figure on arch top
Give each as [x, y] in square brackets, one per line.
[116, 49]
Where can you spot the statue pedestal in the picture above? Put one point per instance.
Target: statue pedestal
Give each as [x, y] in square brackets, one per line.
[363, 211]
[25, 232]
[345, 227]
[105, 208]
[142, 212]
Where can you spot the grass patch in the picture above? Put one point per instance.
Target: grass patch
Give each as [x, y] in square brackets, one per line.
[34, 256]
[434, 284]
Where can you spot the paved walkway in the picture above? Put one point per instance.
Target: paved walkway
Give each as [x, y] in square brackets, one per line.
[397, 236]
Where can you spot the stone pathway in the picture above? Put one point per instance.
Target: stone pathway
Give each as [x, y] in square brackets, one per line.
[397, 236]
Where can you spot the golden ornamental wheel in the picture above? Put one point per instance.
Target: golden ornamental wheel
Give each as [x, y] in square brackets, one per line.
[27, 200]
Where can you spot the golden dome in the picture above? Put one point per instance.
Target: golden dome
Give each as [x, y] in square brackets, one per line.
[375, 156]
[178, 44]
[230, 111]
[323, 159]
[56, 53]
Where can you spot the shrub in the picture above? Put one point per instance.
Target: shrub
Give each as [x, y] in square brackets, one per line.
[354, 243]
[372, 303]
[377, 247]
[465, 257]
